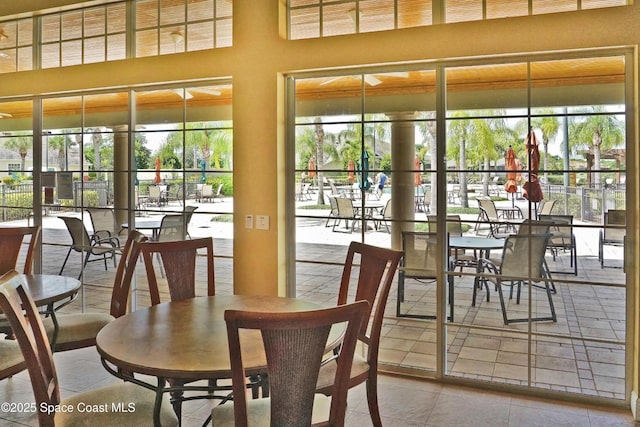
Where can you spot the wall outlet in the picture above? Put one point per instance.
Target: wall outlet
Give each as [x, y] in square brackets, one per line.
[262, 222]
[248, 221]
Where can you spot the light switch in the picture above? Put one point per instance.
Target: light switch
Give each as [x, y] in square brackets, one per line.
[248, 221]
[262, 222]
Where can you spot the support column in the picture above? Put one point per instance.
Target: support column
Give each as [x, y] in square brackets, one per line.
[403, 154]
[121, 173]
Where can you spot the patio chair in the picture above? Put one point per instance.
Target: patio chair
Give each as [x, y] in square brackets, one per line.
[101, 249]
[27, 325]
[546, 207]
[218, 193]
[156, 195]
[79, 330]
[375, 272]
[613, 232]
[419, 263]
[489, 214]
[333, 214]
[459, 257]
[205, 193]
[383, 217]
[347, 213]
[521, 262]
[294, 344]
[562, 239]
[104, 224]
[11, 241]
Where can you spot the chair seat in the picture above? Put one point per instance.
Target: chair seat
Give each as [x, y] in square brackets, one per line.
[328, 372]
[106, 415]
[10, 354]
[76, 327]
[258, 412]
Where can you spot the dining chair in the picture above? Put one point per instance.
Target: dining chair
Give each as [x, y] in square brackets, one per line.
[294, 344]
[11, 360]
[72, 331]
[373, 277]
[27, 325]
[178, 266]
[102, 249]
[11, 241]
[613, 232]
[522, 262]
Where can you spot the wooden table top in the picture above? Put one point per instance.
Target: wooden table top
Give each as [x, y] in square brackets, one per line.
[188, 339]
[48, 288]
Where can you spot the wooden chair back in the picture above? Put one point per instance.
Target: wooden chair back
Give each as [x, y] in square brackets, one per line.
[27, 327]
[11, 240]
[178, 258]
[294, 344]
[124, 273]
[375, 272]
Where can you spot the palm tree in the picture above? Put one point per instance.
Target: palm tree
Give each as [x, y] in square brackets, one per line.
[22, 142]
[459, 134]
[596, 132]
[549, 126]
[61, 143]
[427, 129]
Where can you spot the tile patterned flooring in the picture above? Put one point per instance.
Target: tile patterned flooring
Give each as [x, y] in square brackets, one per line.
[492, 352]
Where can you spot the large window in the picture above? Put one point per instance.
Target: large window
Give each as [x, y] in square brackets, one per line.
[322, 18]
[176, 159]
[540, 140]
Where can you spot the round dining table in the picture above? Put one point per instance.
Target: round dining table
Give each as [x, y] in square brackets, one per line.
[185, 341]
[46, 289]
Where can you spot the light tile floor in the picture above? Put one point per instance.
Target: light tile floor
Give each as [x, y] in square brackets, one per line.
[403, 402]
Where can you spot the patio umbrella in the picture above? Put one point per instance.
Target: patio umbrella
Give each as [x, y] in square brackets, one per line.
[312, 167]
[351, 167]
[531, 189]
[203, 168]
[364, 168]
[511, 186]
[157, 179]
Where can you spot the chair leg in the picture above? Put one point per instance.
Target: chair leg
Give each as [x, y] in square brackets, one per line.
[372, 399]
[65, 261]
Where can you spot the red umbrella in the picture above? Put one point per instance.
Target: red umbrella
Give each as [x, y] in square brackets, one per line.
[312, 167]
[157, 179]
[417, 177]
[532, 190]
[510, 164]
[351, 167]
